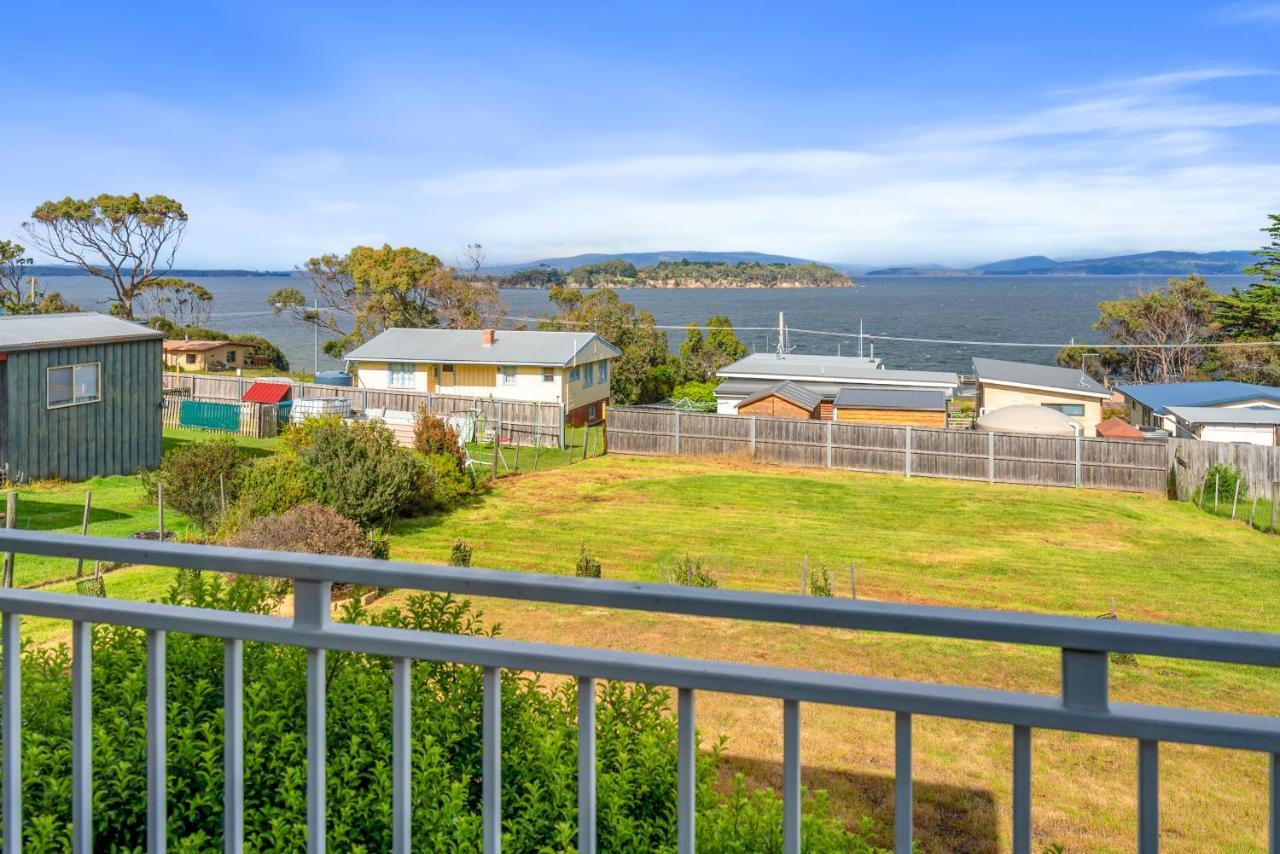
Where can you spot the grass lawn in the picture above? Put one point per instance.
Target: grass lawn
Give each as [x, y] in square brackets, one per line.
[526, 460]
[925, 541]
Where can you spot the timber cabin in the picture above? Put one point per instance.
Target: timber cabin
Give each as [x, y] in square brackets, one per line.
[80, 396]
[568, 368]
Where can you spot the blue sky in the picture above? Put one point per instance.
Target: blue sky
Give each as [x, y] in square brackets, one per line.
[869, 133]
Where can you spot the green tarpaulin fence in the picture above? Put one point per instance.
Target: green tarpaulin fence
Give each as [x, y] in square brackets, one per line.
[210, 416]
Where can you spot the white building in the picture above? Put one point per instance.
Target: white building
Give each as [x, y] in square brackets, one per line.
[1260, 426]
[569, 368]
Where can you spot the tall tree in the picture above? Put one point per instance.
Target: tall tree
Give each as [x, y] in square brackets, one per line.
[701, 356]
[19, 297]
[127, 240]
[1168, 331]
[476, 256]
[177, 301]
[368, 290]
[639, 375]
[1250, 318]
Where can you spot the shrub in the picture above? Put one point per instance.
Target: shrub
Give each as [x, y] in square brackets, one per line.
[587, 566]
[460, 554]
[360, 470]
[434, 436]
[272, 485]
[305, 528]
[821, 582]
[443, 483]
[695, 392]
[689, 572]
[190, 475]
[1220, 483]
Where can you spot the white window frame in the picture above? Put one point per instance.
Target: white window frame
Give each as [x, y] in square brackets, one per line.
[604, 370]
[588, 375]
[396, 373]
[74, 368]
[1059, 407]
[507, 374]
[548, 375]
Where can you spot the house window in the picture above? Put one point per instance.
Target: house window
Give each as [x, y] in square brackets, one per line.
[591, 412]
[588, 375]
[604, 371]
[73, 384]
[575, 374]
[507, 375]
[1075, 410]
[548, 375]
[191, 358]
[231, 356]
[400, 374]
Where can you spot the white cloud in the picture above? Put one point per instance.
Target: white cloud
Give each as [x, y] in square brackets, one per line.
[1245, 13]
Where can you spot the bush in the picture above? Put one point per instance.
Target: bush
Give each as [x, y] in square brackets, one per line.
[695, 392]
[587, 566]
[443, 483]
[1223, 478]
[273, 485]
[820, 582]
[460, 554]
[190, 475]
[360, 471]
[305, 528]
[689, 572]
[434, 436]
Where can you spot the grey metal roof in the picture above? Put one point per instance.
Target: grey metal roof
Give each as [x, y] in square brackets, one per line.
[67, 329]
[1243, 417]
[804, 368]
[732, 388]
[510, 347]
[1067, 380]
[925, 400]
[793, 392]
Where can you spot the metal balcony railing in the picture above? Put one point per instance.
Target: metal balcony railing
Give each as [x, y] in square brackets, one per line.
[1082, 706]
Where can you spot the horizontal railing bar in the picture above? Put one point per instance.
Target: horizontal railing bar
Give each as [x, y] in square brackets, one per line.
[1219, 729]
[1080, 633]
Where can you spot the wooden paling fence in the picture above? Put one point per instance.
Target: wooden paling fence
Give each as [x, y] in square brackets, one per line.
[913, 451]
[1191, 458]
[518, 422]
[257, 420]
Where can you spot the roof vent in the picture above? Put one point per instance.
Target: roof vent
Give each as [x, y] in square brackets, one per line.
[487, 336]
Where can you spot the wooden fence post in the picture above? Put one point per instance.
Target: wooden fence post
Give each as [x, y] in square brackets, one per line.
[753, 437]
[829, 444]
[1235, 499]
[1079, 474]
[677, 433]
[84, 528]
[908, 466]
[10, 521]
[991, 457]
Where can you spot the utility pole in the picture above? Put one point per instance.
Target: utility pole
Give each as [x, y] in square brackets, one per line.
[859, 337]
[782, 335]
[315, 301]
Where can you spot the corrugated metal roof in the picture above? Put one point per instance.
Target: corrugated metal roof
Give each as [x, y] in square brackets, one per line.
[1038, 376]
[178, 346]
[465, 346]
[888, 398]
[261, 392]
[827, 390]
[1158, 396]
[1244, 417]
[793, 392]
[39, 331]
[802, 368]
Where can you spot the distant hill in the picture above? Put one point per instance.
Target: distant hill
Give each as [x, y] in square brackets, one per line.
[49, 270]
[1145, 263]
[645, 259]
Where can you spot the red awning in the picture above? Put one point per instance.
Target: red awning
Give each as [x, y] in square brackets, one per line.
[266, 393]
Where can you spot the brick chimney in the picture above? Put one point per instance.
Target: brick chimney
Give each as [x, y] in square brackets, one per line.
[486, 337]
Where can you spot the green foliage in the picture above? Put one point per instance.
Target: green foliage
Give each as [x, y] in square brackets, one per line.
[613, 272]
[620, 273]
[276, 484]
[1182, 313]
[688, 572]
[435, 436]
[126, 239]
[261, 346]
[534, 277]
[695, 392]
[821, 582]
[1220, 484]
[634, 376]
[360, 469]
[193, 477]
[178, 301]
[702, 357]
[305, 528]
[377, 289]
[1253, 315]
[587, 566]
[443, 483]
[460, 554]
[17, 296]
[751, 821]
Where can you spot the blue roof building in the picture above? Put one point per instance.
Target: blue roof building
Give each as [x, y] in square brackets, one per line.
[1149, 405]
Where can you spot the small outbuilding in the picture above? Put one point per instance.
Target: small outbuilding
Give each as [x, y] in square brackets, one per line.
[913, 407]
[1073, 393]
[782, 400]
[1250, 426]
[1118, 428]
[80, 396]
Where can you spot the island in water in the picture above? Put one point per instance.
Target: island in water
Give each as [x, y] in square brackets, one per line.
[683, 273]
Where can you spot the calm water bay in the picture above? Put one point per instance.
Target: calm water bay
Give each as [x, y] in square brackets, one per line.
[989, 308]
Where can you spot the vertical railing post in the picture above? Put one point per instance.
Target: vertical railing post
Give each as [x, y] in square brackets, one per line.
[157, 730]
[902, 784]
[1148, 796]
[82, 737]
[311, 603]
[1021, 790]
[401, 756]
[1274, 806]
[586, 765]
[12, 776]
[686, 773]
[791, 776]
[233, 746]
[491, 764]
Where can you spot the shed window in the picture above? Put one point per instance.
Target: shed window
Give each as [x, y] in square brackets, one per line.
[548, 375]
[1075, 410]
[231, 356]
[400, 374]
[73, 384]
[191, 358]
